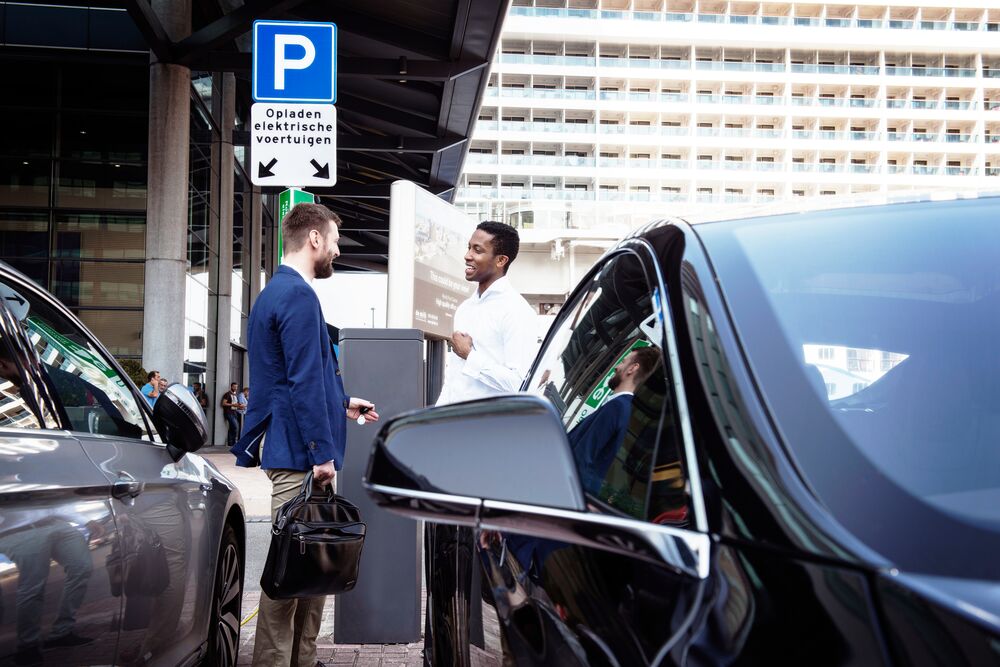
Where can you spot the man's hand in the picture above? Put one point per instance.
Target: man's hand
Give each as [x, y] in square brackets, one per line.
[461, 343]
[354, 410]
[324, 474]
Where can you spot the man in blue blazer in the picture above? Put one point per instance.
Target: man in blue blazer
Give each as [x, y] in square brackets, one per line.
[596, 440]
[298, 421]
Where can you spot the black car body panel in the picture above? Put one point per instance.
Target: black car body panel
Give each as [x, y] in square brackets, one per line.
[790, 579]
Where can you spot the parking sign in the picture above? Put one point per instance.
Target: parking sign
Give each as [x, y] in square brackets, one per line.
[294, 62]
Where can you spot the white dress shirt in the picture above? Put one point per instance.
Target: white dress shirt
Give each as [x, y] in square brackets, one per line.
[504, 341]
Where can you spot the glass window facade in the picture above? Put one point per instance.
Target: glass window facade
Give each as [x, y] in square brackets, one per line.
[73, 190]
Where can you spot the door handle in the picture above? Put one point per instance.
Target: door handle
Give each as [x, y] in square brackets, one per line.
[126, 486]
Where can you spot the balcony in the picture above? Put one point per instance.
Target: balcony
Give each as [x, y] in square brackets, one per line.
[752, 20]
[741, 66]
[953, 72]
[541, 93]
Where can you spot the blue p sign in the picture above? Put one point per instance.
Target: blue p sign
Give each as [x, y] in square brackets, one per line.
[294, 62]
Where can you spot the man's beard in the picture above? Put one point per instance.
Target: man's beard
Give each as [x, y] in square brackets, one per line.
[615, 380]
[324, 268]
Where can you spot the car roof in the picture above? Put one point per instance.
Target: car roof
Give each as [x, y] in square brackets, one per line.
[820, 204]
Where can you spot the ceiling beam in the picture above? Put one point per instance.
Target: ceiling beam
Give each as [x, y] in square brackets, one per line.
[387, 163]
[355, 26]
[383, 114]
[152, 30]
[227, 28]
[375, 144]
[404, 69]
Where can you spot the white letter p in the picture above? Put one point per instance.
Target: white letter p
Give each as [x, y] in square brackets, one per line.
[281, 63]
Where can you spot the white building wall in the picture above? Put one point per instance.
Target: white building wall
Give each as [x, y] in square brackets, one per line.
[604, 114]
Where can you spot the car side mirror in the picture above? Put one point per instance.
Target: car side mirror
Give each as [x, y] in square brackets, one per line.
[180, 421]
[509, 448]
[504, 464]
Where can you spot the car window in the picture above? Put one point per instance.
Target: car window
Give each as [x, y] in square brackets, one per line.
[96, 398]
[602, 369]
[14, 409]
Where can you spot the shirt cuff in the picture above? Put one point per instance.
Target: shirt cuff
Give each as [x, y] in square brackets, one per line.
[474, 364]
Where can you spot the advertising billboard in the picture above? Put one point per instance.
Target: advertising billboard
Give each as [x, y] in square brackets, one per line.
[428, 240]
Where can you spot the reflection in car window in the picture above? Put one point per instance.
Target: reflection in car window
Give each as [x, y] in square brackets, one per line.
[602, 370]
[14, 412]
[910, 336]
[96, 398]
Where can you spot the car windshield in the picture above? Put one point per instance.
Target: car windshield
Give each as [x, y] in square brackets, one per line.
[874, 334]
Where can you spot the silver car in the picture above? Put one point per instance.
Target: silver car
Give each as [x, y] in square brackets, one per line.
[118, 544]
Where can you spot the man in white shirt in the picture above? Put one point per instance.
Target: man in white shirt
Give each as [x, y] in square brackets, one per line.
[492, 348]
[494, 340]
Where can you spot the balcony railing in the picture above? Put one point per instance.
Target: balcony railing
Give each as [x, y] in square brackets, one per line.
[753, 20]
[735, 66]
[735, 132]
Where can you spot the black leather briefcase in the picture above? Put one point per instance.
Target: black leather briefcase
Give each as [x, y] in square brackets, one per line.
[316, 543]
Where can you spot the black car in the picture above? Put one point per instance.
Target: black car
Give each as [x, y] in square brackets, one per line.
[811, 476]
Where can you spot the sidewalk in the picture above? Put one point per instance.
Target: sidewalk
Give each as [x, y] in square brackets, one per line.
[256, 490]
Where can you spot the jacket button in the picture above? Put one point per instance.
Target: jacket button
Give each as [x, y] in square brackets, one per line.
[337, 371]
[312, 445]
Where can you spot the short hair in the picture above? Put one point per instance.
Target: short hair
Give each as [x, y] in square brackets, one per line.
[303, 218]
[648, 359]
[232, 383]
[150, 375]
[506, 240]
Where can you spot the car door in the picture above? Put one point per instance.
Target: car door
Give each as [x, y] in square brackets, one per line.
[561, 603]
[58, 534]
[164, 569]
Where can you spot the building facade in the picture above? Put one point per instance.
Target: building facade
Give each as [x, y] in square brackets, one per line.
[74, 176]
[603, 114]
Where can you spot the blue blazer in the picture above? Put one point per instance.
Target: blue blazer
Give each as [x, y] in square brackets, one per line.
[596, 440]
[298, 396]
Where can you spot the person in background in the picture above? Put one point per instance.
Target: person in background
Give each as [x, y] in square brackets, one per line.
[201, 396]
[164, 383]
[230, 409]
[242, 399]
[151, 390]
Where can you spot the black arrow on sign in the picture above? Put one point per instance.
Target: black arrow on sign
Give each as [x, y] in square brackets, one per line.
[14, 297]
[263, 171]
[321, 172]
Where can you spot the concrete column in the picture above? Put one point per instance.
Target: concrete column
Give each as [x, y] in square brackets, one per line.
[163, 336]
[254, 236]
[222, 192]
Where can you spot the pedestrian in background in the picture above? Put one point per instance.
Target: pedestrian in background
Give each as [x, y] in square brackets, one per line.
[242, 399]
[201, 396]
[301, 426]
[151, 390]
[164, 383]
[491, 352]
[230, 410]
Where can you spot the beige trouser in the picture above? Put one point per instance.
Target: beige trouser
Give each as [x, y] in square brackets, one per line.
[286, 629]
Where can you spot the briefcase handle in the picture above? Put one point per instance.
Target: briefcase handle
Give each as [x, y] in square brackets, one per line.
[307, 488]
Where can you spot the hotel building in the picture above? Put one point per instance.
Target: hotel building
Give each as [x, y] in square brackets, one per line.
[603, 114]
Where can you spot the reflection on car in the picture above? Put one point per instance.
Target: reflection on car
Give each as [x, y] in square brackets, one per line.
[118, 544]
[808, 476]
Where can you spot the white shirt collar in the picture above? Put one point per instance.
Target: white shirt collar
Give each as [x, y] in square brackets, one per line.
[622, 393]
[293, 268]
[499, 286]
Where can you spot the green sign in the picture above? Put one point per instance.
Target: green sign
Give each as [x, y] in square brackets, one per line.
[602, 392]
[286, 201]
[83, 357]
